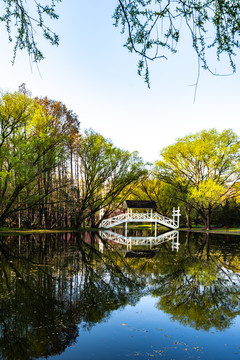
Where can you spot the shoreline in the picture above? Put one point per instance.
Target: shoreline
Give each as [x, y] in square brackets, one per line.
[40, 231]
[49, 231]
[214, 231]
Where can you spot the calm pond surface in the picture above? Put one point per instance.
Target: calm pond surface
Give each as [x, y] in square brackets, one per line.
[91, 296]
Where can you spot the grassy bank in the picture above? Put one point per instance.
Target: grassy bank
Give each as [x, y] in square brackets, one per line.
[4, 230]
[223, 230]
[24, 231]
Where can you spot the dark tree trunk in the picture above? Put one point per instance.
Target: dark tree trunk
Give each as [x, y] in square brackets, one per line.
[188, 216]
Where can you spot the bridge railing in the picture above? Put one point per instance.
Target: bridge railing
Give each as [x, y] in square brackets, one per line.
[152, 217]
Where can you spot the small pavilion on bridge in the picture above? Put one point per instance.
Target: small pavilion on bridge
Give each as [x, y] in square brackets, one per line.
[129, 205]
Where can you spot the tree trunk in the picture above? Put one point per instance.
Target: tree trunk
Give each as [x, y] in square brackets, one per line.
[208, 218]
[188, 216]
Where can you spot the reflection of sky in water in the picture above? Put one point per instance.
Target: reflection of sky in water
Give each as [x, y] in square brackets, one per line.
[143, 332]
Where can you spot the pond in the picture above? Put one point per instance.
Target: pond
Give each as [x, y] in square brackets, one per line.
[93, 296]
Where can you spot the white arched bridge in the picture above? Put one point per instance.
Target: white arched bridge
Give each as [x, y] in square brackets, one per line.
[140, 217]
[147, 217]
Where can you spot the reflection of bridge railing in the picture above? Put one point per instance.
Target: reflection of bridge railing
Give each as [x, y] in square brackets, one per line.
[140, 217]
[143, 240]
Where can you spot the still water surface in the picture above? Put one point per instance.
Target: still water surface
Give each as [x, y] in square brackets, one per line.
[83, 296]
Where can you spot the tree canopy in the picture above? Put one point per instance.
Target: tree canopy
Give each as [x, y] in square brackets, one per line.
[108, 175]
[32, 144]
[204, 168]
[51, 174]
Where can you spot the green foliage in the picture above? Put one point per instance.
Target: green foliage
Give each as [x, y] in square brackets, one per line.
[154, 28]
[227, 214]
[164, 195]
[50, 174]
[208, 191]
[32, 143]
[108, 174]
[204, 168]
[20, 21]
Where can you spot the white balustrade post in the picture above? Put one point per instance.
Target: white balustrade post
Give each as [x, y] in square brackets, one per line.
[178, 216]
[175, 245]
[173, 214]
[129, 244]
[178, 243]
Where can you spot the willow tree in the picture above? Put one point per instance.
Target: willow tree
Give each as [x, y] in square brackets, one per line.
[24, 20]
[204, 168]
[154, 28]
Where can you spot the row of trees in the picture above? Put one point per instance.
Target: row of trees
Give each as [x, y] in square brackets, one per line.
[54, 175]
[201, 174]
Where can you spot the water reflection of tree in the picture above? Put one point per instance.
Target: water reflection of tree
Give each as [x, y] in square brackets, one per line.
[107, 283]
[200, 286]
[34, 321]
[50, 286]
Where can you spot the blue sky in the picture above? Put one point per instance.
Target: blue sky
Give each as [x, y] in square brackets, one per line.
[97, 78]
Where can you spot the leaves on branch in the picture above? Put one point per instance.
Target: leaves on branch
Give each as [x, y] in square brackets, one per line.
[23, 24]
[154, 28]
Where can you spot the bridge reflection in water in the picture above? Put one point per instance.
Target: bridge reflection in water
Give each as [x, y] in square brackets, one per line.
[148, 241]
